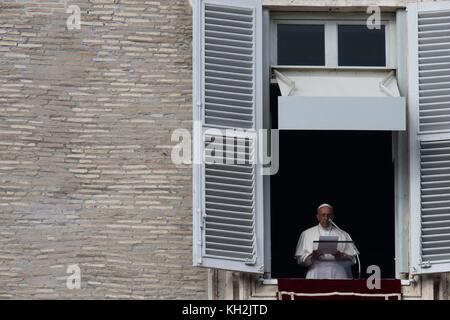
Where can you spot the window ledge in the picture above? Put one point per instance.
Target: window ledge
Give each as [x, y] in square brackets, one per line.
[275, 282]
[269, 281]
[284, 67]
[406, 282]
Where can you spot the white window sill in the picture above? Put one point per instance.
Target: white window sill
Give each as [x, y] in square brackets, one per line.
[270, 281]
[275, 282]
[284, 67]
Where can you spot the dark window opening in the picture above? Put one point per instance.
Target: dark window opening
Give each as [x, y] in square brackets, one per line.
[351, 170]
[301, 44]
[361, 46]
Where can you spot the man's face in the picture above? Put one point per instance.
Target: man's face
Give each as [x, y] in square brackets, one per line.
[324, 215]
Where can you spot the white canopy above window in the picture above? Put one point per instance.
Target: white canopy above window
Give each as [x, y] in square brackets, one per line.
[342, 83]
[340, 100]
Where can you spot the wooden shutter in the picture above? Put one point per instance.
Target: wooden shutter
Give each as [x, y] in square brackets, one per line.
[429, 129]
[227, 196]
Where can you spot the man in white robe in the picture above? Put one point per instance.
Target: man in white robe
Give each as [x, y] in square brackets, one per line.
[325, 266]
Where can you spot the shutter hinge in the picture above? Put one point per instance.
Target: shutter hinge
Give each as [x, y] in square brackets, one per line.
[250, 262]
[200, 237]
[425, 264]
[202, 223]
[202, 220]
[199, 111]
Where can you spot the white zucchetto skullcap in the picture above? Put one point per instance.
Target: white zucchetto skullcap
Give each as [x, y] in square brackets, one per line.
[324, 205]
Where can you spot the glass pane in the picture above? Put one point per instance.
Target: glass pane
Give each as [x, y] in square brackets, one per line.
[301, 44]
[361, 46]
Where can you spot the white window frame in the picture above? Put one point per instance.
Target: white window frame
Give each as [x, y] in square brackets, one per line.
[331, 22]
[395, 26]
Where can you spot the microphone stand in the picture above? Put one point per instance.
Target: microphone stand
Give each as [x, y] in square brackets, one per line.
[354, 247]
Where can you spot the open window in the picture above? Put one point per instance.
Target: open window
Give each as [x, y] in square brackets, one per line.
[336, 104]
[336, 95]
[352, 170]
[343, 79]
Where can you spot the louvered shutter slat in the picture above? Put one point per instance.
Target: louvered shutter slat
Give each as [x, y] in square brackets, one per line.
[224, 87]
[229, 213]
[227, 73]
[224, 186]
[242, 242]
[244, 222]
[227, 253]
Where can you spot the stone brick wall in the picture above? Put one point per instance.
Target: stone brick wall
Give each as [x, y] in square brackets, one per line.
[86, 176]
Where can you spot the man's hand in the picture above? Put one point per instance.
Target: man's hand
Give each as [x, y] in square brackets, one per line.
[316, 254]
[340, 255]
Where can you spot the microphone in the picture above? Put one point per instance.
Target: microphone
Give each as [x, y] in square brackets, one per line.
[354, 247]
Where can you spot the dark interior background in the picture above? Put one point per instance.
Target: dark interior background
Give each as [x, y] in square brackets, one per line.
[352, 171]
